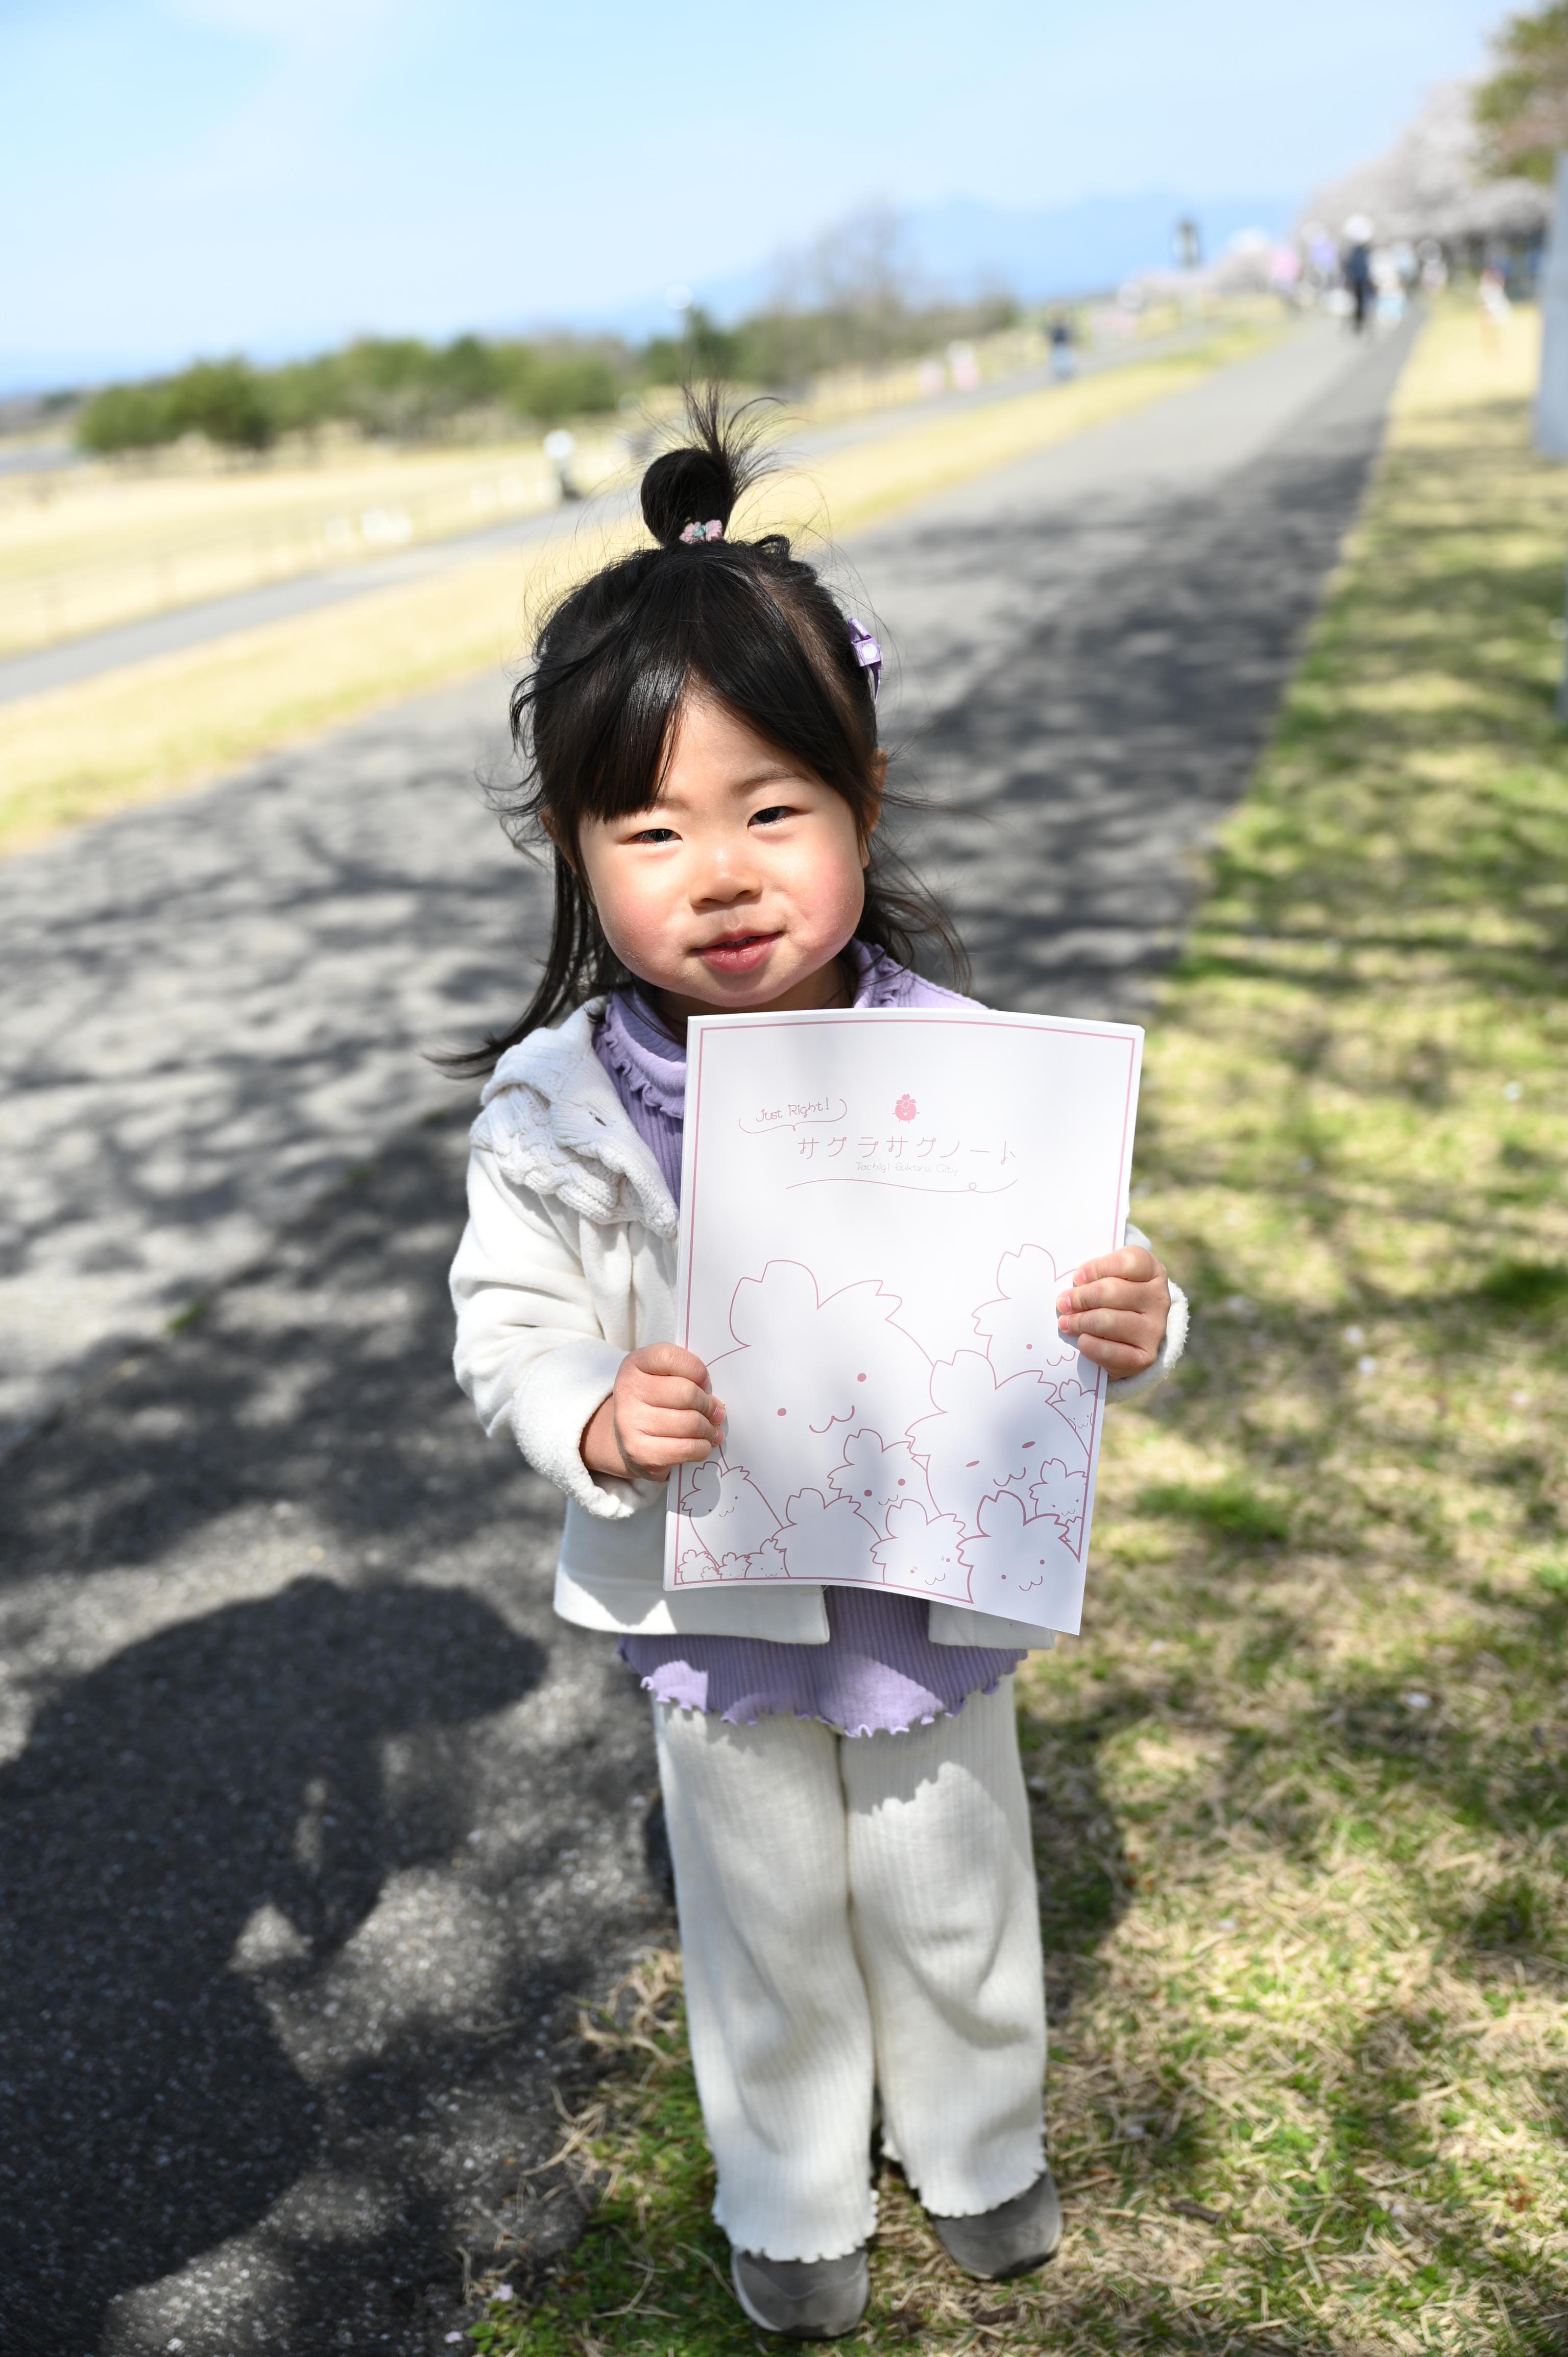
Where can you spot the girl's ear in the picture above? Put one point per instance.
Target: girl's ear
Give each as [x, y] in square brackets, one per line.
[871, 818]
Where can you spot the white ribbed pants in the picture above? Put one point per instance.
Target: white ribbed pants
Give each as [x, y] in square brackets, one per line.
[857, 1914]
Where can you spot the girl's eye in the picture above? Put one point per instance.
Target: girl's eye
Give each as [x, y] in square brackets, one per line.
[654, 835]
[774, 812]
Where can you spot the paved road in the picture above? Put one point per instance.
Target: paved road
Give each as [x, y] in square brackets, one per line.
[312, 1821]
[73, 660]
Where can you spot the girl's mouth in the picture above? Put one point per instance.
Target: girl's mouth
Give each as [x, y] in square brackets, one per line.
[737, 953]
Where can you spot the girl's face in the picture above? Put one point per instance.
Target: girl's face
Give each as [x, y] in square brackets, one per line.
[735, 892]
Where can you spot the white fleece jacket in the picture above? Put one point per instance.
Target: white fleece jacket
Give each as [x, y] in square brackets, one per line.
[567, 1262]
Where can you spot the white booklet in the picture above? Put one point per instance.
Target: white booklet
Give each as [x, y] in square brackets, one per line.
[878, 1210]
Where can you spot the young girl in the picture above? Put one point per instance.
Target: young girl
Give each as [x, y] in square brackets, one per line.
[854, 1864]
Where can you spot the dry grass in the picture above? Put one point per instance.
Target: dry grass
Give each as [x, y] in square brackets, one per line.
[160, 727]
[81, 551]
[1300, 1801]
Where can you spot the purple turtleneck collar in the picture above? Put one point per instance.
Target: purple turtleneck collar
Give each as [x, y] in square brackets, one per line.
[648, 1066]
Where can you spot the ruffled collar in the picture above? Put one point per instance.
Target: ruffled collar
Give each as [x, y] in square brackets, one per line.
[635, 1044]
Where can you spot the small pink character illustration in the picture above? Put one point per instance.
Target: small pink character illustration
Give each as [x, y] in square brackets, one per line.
[1078, 1403]
[1059, 1492]
[1020, 1569]
[986, 1434]
[740, 1567]
[879, 1477]
[823, 1538]
[808, 1371]
[728, 1515]
[905, 1109]
[923, 1551]
[1019, 1326]
[694, 1561]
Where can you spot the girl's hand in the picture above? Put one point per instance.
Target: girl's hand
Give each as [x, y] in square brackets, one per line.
[1116, 1309]
[659, 1414]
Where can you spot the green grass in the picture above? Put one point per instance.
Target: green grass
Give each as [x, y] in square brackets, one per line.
[1229, 1509]
[1302, 1806]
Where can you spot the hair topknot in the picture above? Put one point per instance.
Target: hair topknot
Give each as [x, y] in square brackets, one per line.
[702, 481]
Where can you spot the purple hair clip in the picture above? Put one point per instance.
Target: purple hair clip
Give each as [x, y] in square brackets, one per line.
[713, 531]
[867, 653]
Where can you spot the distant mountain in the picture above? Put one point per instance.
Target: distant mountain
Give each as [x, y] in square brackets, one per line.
[964, 247]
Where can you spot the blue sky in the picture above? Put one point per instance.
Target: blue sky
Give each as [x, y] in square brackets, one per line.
[182, 176]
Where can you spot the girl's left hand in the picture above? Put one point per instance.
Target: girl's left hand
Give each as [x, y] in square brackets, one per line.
[1115, 1310]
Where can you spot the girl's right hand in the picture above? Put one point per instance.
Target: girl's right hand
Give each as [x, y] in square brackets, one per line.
[659, 1414]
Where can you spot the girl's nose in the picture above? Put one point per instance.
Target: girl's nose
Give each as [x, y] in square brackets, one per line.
[724, 877]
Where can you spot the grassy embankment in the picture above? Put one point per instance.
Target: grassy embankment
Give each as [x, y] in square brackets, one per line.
[162, 726]
[1302, 1804]
[88, 549]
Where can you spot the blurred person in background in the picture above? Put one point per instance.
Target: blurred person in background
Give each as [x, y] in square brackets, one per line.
[1388, 279]
[1493, 293]
[1064, 359]
[1356, 270]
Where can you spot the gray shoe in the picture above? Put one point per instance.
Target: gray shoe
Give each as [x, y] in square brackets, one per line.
[806, 2300]
[1009, 2240]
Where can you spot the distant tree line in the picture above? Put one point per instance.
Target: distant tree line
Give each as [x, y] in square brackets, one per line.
[398, 387]
[784, 349]
[410, 391]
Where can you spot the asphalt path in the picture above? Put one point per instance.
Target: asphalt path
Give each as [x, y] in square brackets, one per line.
[314, 1824]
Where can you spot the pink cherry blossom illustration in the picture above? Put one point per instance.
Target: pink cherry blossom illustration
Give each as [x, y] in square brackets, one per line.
[905, 1109]
[1019, 1325]
[808, 1369]
[1015, 1561]
[1058, 1494]
[923, 1551]
[728, 1515]
[879, 1477]
[1011, 1427]
[693, 1561]
[823, 1539]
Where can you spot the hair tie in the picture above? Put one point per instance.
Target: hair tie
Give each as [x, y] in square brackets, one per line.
[867, 653]
[713, 531]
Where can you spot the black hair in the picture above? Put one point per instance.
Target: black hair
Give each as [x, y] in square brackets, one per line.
[593, 720]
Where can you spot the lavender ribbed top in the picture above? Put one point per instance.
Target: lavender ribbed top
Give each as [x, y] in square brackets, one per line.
[879, 1671]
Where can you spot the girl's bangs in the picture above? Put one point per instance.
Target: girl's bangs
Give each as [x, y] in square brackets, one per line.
[636, 681]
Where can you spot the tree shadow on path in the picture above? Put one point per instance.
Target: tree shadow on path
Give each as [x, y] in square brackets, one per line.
[1084, 771]
[147, 2109]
